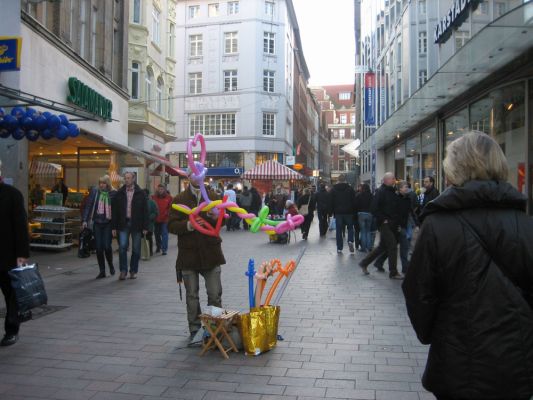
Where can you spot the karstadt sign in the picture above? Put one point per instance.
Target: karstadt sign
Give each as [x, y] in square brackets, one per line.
[455, 16]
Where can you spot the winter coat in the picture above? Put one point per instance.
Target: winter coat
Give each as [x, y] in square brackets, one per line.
[385, 206]
[363, 202]
[14, 237]
[196, 251]
[429, 195]
[245, 199]
[342, 199]
[256, 201]
[479, 325]
[323, 201]
[139, 210]
[307, 199]
[163, 207]
[153, 212]
[91, 205]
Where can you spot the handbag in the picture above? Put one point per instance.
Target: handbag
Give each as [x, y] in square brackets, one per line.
[304, 208]
[28, 285]
[145, 249]
[528, 297]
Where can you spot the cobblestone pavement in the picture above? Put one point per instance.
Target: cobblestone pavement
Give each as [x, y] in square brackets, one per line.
[347, 336]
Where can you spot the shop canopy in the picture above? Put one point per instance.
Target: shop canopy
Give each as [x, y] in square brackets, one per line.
[272, 170]
[41, 169]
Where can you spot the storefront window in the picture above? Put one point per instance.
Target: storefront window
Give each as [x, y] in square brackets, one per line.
[399, 161]
[429, 154]
[412, 160]
[501, 114]
[456, 125]
[217, 160]
[260, 158]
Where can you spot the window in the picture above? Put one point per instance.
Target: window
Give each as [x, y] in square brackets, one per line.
[213, 9]
[233, 7]
[422, 43]
[268, 81]
[268, 43]
[422, 77]
[353, 164]
[231, 43]
[135, 70]
[352, 119]
[269, 8]
[94, 17]
[499, 9]
[171, 39]
[136, 11]
[342, 133]
[421, 6]
[269, 124]
[156, 38]
[195, 83]
[482, 9]
[159, 97]
[345, 96]
[148, 86]
[194, 12]
[342, 165]
[343, 118]
[461, 37]
[195, 46]
[83, 26]
[222, 124]
[170, 105]
[230, 81]
[352, 133]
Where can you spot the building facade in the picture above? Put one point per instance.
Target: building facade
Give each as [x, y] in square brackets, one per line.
[152, 55]
[338, 110]
[235, 82]
[436, 69]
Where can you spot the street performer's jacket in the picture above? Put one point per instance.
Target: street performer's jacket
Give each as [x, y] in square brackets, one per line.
[196, 251]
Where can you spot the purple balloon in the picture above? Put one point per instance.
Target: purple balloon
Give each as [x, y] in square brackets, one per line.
[18, 134]
[61, 132]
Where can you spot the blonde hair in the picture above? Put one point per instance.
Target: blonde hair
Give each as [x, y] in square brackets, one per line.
[474, 156]
[107, 180]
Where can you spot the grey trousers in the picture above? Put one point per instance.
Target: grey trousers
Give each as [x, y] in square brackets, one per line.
[213, 286]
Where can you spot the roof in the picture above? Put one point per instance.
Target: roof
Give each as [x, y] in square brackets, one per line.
[272, 170]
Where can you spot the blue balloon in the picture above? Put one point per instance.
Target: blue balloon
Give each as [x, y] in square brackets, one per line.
[30, 112]
[18, 112]
[61, 132]
[47, 134]
[54, 122]
[4, 133]
[32, 135]
[26, 123]
[40, 123]
[18, 134]
[64, 120]
[47, 114]
[11, 123]
[73, 130]
[2, 112]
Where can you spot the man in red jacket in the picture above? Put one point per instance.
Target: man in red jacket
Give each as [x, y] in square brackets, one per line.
[163, 201]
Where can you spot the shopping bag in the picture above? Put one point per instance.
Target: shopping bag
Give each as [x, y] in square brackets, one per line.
[84, 246]
[304, 210]
[259, 329]
[332, 225]
[145, 248]
[28, 286]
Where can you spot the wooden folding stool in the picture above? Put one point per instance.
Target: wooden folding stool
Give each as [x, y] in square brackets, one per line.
[219, 332]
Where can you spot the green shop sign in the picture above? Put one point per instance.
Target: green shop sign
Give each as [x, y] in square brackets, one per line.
[89, 99]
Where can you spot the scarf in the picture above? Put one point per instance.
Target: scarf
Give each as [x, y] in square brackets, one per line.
[104, 205]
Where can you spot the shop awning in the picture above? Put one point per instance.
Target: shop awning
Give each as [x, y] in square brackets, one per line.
[494, 46]
[169, 170]
[41, 169]
[272, 170]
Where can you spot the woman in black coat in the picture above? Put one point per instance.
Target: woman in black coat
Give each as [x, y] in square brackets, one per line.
[469, 283]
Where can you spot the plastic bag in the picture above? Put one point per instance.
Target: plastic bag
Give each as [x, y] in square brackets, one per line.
[28, 286]
[332, 225]
[259, 329]
[145, 248]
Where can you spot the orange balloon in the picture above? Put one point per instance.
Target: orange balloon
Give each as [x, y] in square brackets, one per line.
[281, 273]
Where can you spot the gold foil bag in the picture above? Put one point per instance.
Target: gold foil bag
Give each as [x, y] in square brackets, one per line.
[259, 329]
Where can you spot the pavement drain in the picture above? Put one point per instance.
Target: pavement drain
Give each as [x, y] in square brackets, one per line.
[38, 312]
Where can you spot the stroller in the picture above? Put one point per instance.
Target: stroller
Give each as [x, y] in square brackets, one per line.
[86, 243]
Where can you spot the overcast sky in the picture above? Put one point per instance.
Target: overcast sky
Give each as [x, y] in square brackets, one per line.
[327, 32]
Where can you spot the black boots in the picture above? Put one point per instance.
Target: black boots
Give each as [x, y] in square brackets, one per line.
[109, 258]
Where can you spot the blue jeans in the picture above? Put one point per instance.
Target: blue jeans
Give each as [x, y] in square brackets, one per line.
[124, 242]
[342, 221]
[365, 225]
[161, 236]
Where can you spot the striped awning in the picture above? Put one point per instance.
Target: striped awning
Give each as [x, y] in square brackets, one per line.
[272, 170]
[43, 169]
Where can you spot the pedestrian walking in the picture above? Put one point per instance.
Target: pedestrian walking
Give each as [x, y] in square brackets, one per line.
[97, 216]
[306, 207]
[153, 213]
[231, 223]
[129, 218]
[343, 208]
[14, 252]
[257, 203]
[363, 202]
[245, 201]
[322, 208]
[469, 288]
[198, 254]
[428, 193]
[164, 201]
[385, 207]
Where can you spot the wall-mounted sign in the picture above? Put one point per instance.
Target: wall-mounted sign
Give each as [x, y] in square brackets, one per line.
[455, 16]
[89, 99]
[10, 48]
[290, 160]
[370, 93]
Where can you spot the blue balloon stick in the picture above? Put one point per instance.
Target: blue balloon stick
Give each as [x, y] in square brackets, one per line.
[251, 274]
